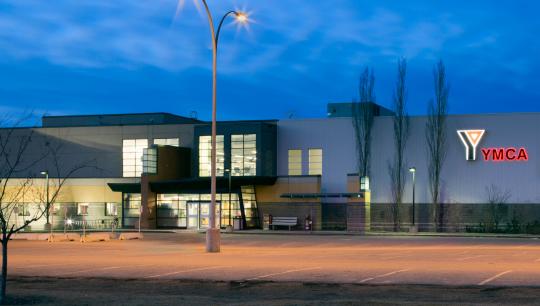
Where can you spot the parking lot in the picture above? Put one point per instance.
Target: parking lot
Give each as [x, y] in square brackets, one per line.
[449, 261]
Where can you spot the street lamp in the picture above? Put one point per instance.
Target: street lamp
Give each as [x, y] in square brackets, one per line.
[413, 171]
[213, 234]
[230, 203]
[49, 214]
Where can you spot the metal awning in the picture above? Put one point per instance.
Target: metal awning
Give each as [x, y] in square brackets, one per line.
[322, 195]
[125, 187]
[202, 184]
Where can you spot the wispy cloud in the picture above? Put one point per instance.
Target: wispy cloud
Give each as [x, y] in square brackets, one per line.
[301, 49]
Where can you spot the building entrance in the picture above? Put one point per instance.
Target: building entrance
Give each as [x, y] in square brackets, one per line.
[199, 214]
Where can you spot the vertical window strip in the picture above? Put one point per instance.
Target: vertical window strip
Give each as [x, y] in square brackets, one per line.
[315, 161]
[244, 155]
[295, 162]
[205, 155]
[132, 154]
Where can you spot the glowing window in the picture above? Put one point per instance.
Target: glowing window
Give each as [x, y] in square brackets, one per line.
[132, 153]
[82, 209]
[205, 151]
[111, 209]
[244, 155]
[295, 162]
[315, 161]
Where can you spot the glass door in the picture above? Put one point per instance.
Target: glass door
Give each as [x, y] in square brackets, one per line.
[199, 214]
[193, 215]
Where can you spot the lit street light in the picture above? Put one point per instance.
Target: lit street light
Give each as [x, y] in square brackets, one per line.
[230, 204]
[413, 171]
[47, 205]
[213, 233]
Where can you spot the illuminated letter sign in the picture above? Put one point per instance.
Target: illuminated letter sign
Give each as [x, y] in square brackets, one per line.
[505, 154]
[470, 139]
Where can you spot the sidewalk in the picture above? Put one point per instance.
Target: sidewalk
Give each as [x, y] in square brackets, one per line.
[382, 234]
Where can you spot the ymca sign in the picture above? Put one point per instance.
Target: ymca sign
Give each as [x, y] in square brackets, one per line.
[471, 139]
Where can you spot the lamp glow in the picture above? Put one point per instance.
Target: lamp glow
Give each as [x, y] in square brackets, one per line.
[242, 18]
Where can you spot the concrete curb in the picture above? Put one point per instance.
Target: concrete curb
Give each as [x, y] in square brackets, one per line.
[64, 237]
[96, 237]
[30, 236]
[382, 234]
[130, 236]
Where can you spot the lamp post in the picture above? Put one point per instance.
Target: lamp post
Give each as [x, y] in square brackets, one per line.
[49, 214]
[230, 203]
[213, 234]
[413, 171]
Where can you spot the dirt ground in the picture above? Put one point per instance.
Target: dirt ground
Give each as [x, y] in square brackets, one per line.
[100, 291]
[174, 269]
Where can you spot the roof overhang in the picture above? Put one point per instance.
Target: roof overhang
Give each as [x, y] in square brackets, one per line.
[125, 187]
[202, 184]
[322, 195]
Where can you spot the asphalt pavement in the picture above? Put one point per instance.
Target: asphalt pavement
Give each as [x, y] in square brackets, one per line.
[370, 260]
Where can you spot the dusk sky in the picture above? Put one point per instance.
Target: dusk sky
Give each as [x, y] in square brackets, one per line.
[103, 56]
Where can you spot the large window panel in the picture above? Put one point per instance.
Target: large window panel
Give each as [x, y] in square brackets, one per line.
[205, 151]
[150, 160]
[295, 162]
[315, 161]
[244, 155]
[174, 142]
[132, 153]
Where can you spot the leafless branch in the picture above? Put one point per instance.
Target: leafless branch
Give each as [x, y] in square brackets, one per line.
[436, 140]
[396, 168]
[363, 118]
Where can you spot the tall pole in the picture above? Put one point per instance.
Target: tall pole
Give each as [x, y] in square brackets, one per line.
[413, 199]
[230, 203]
[213, 234]
[413, 228]
[49, 206]
[140, 213]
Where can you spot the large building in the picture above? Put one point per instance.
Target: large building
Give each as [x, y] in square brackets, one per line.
[158, 165]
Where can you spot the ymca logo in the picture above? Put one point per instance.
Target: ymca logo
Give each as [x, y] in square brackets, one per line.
[470, 139]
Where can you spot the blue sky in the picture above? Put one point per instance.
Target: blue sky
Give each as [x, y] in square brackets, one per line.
[102, 56]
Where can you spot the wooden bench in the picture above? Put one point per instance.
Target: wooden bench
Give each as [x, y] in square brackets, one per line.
[284, 221]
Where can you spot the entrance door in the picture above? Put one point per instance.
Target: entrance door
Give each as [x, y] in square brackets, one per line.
[199, 214]
[193, 215]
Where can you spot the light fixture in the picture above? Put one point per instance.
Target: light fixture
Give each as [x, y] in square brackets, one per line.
[242, 17]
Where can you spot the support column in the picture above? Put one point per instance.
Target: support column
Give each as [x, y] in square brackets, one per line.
[358, 208]
[148, 204]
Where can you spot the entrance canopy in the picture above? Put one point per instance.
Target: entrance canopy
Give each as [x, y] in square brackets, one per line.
[195, 185]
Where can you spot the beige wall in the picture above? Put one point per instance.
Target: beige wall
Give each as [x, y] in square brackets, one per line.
[289, 184]
[73, 190]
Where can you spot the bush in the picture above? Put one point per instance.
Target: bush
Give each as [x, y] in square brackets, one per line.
[533, 228]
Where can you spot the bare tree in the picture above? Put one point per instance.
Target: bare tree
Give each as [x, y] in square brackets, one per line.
[436, 141]
[18, 159]
[363, 117]
[497, 199]
[396, 168]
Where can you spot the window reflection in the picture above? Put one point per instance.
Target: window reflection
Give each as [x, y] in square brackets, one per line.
[132, 153]
[205, 151]
[244, 155]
